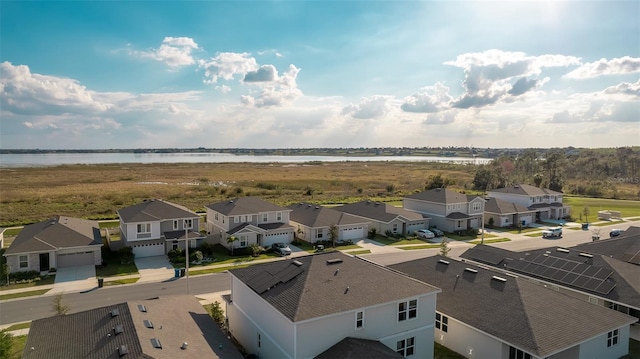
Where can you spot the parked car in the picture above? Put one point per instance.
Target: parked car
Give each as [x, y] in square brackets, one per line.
[281, 248]
[552, 233]
[437, 232]
[615, 233]
[425, 233]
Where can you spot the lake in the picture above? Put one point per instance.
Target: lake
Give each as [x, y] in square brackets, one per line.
[56, 159]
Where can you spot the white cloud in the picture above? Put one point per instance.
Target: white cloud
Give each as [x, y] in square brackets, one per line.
[442, 118]
[226, 65]
[280, 91]
[631, 89]
[223, 89]
[430, 99]
[174, 51]
[374, 107]
[617, 66]
[28, 124]
[264, 74]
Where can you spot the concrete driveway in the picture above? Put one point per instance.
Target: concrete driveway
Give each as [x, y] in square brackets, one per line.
[74, 279]
[154, 269]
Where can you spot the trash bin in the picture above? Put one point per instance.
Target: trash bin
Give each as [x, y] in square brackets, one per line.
[182, 272]
[177, 272]
[100, 282]
[585, 226]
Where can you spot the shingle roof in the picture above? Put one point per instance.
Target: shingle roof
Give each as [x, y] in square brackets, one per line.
[538, 320]
[313, 216]
[356, 348]
[175, 320]
[154, 210]
[625, 248]
[245, 205]
[441, 195]
[56, 233]
[378, 211]
[495, 205]
[525, 190]
[322, 288]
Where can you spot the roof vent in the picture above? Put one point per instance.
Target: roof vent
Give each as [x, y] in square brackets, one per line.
[156, 343]
[118, 329]
[115, 312]
[471, 270]
[317, 207]
[148, 323]
[495, 277]
[297, 263]
[586, 255]
[123, 350]
[334, 261]
[184, 346]
[563, 250]
[443, 261]
[142, 308]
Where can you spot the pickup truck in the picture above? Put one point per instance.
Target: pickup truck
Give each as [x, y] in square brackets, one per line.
[552, 233]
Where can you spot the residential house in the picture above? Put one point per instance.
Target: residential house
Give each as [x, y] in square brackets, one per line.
[506, 214]
[483, 313]
[450, 211]
[385, 218]
[302, 307]
[154, 227]
[625, 248]
[167, 327]
[546, 203]
[313, 223]
[59, 242]
[595, 278]
[250, 220]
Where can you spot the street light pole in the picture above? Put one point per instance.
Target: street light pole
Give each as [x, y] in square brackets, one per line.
[186, 242]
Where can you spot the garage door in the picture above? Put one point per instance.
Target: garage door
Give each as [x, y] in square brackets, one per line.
[148, 250]
[526, 219]
[276, 237]
[65, 260]
[352, 233]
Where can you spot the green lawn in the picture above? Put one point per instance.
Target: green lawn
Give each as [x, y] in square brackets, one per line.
[606, 223]
[217, 269]
[17, 347]
[19, 326]
[113, 267]
[12, 232]
[442, 352]
[23, 294]
[121, 281]
[426, 246]
[355, 253]
[626, 208]
[44, 281]
[513, 230]
[109, 224]
[492, 240]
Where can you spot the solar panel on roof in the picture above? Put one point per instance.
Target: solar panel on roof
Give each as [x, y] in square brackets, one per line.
[558, 263]
[481, 255]
[592, 284]
[559, 275]
[581, 281]
[288, 273]
[581, 268]
[570, 277]
[548, 261]
[632, 255]
[549, 272]
[539, 270]
[605, 287]
[568, 266]
[603, 274]
[591, 271]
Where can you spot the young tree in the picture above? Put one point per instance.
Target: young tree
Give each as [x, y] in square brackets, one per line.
[333, 234]
[586, 211]
[58, 306]
[217, 313]
[6, 344]
[231, 240]
[444, 247]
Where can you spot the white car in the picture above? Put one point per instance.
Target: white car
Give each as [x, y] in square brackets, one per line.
[281, 248]
[425, 233]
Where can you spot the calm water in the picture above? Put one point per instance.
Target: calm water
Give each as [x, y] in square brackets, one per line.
[54, 159]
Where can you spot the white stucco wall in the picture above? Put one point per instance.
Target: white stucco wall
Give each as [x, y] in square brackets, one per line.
[132, 232]
[596, 348]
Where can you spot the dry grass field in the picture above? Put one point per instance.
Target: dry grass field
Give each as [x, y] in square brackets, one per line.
[97, 191]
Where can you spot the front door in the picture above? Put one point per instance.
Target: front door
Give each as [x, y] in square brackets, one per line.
[44, 262]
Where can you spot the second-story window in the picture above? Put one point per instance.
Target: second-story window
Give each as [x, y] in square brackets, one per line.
[359, 320]
[175, 224]
[236, 219]
[442, 322]
[407, 310]
[476, 206]
[279, 216]
[265, 218]
[216, 216]
[188, 223]
[143, 228]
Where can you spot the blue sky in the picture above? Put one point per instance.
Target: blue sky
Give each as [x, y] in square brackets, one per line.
[274, 74]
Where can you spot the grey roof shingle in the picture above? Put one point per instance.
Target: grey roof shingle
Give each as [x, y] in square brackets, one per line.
[525, 190]
[245, 205]
[356, 348]
[56, 233]
[495, 205]
[538, 320]
[315, 216]
[154, 210]
[321, 288]
[625, 248]
[442, 195]
[378, 211]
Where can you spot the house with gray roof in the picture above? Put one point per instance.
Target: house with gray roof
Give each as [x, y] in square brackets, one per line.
[386, 218]
[483, 313]
[450, 211]
[154, 227]
[578, 272]
[163, 328]
[250, 220]
[625, 248]
[59, 242]
[302, 307]
[506, 214]
[546, 203]
[313, 223]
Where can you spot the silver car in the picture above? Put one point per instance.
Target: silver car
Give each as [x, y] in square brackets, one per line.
[281, 248]
[425, 233]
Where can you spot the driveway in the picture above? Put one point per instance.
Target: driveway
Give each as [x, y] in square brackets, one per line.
[154, 269]
[75, 279]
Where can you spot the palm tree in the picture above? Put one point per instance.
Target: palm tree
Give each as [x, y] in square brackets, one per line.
[230, 241]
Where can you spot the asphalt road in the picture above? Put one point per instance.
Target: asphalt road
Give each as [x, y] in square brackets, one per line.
[40, 307]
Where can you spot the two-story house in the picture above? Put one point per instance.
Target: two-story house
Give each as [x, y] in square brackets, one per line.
[450, 211]
[250, 220]
[386, 218]
[546, 203]
[505, 214]
[302, 307]
[313, 223]
[482, 313]
[154, 227]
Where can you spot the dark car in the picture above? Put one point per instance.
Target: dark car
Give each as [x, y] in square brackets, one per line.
[615, 233]
[437, 232]
[281, 248]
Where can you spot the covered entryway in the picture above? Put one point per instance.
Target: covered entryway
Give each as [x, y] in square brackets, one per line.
[148, 250]
[44, 262]
[84, 258]
[352, 233]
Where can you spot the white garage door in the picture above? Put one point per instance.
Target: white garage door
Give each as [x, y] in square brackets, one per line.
[148, 250]
[75, 259]
[352, 233]
[276, 237]
[526, 219]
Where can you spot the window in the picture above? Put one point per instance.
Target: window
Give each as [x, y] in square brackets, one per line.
[175, 224]
[188, 223]
[24, 261]
[265, 217]
[243, 241]
[515, 353]
[359, 319]
[259, 340]
[395, 228]
[612, 338]
[193, 243]
[144, 227]
[319, 233]
[407, 310]
[442, 322]
[476, 206]
[459, 224]
[236, 219]
[279, 216]
[245, 219]
[174, 245]
[613, 306]
[216, 216]
[406, 347]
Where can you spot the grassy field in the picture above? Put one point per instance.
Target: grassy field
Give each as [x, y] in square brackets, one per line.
[626, 208]
[23, 294]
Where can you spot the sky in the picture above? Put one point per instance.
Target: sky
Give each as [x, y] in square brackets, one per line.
[304, 74]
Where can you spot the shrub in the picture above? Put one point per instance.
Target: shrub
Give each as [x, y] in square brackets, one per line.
[206, 249]
[26, 276]
[196, 257]
[371, 234]
[175, 253]
[388, 233]
[126, 255]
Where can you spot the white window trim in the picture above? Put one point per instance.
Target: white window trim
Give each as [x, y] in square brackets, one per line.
[176, 224]
[143, 228]
[26, 261]
[279, 216]
[360, 321]
[187, 223]
[403, 346]
[613, 338]
[408, 310]
[442, 322]
[265, 218]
